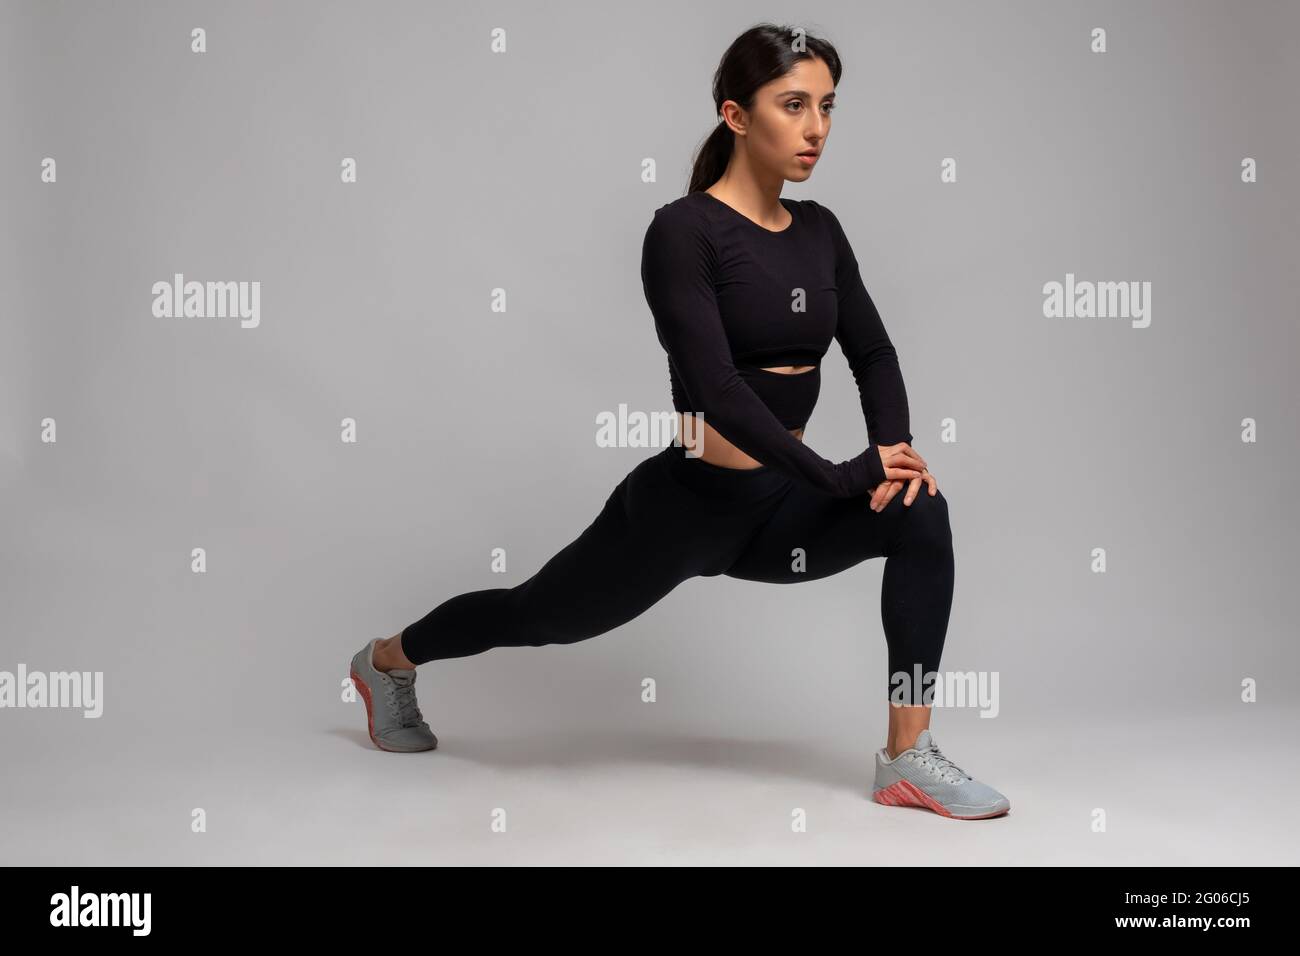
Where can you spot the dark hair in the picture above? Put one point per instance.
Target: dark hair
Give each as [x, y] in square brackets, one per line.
[760, 55]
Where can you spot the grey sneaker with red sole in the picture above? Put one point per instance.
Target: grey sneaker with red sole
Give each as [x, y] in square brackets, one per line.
[392, 714]
[923, 776]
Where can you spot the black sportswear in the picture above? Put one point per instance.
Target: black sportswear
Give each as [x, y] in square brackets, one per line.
[729, 296]
[673, 518]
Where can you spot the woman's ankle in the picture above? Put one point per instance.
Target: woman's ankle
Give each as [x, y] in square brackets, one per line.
[388, 655]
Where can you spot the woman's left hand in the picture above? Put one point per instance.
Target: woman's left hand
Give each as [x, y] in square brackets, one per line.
[886, 490]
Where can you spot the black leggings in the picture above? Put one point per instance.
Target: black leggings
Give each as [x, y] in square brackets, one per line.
[674, 517]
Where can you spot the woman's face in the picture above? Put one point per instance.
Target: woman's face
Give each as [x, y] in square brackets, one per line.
[791, 115]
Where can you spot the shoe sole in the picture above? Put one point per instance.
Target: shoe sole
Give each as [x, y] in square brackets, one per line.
[370, 720]
[907, 794]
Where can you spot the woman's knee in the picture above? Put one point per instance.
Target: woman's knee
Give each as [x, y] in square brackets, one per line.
[925, 521]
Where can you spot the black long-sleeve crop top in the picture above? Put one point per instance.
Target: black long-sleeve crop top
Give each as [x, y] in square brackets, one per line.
[730, 296]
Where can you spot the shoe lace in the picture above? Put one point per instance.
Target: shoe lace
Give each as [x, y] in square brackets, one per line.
[936, 762]
[401, 698]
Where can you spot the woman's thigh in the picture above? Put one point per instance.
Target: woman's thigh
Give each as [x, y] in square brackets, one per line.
[650, 535]
[813, 535]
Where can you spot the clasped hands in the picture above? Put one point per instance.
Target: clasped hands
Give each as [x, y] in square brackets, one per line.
[902, 464]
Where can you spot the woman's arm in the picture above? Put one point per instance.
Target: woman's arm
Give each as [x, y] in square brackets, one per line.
[677, 262]
[866, 345]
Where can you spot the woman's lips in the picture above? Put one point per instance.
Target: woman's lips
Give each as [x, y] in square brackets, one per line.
[806, 158]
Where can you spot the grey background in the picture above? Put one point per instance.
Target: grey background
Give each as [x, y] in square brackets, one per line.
[476, 428]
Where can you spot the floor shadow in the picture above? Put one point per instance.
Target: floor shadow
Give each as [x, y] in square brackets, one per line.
[796, 760]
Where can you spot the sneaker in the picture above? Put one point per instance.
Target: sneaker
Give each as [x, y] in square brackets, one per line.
[392, 713]
[923, 777]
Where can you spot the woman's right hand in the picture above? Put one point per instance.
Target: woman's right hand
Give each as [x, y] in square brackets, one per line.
[901, 461]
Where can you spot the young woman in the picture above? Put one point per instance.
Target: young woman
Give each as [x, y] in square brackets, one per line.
[747, 289]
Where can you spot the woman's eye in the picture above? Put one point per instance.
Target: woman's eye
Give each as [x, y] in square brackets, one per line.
[799, 105]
